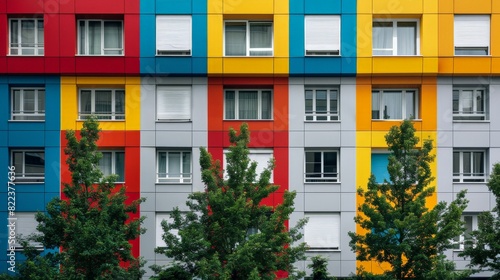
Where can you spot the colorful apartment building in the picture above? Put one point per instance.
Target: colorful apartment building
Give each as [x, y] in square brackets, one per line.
[319, 83]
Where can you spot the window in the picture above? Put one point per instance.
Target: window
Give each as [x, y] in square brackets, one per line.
[322, 35]
[395, 37]
[248, 104]
[472, 34]
[173, 35]
[469, 103]
[322, 166]
[159, 229]
[322, 232]
[26, 36]
[322, 104]
[260, 156]
[248, 38]
[471, 224]
[29, 165]
[380, 161]
[469, 166]
[394, 104]
[28, 104]
[105, 104]
[173, 103]
[113, 162]
[26, 226]
[100, 37]
[174, 167]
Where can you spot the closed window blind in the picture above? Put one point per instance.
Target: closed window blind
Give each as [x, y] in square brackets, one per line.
[472, 31]
[322, 231]
[173, 35]
[173, 103]
[322, 34]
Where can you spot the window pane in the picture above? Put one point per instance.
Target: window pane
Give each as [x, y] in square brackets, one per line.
[94, 37]
[479, 101]
[392, 105]
[266, 105]
[29, 101]
[334, 102]
[34, 164]
[478, 163]
[330, 164]
[16, 102]
[103, 103]
[309, 104]
[174, 164]
[375, 105]
[261, 35]
[406, 32]
[382, 38]
[28, 33]
[83, 36]
[41, 101]
[235, 38]
[162, 164]
[248, 104]
[18, 161]
[112, 37]
[230, 105]
[40, 33]
[14, 25]
[85, 102]
[467, 163]
[466, 99]
[410, 105]
[120, 166]
[456, 163]
[468, 226]
[313, 164]
[120, 104]
[186, 164]
[456, 95]
[105, 163]
[321, 104]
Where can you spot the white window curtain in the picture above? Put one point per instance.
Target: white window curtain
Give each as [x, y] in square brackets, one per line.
[94, 37]
[472, 31]
[322, 33]
[382, 38]
[105, 163]
[113, 37]
[100, 37]
[173, 34]
[235, 38]
[406, 33]
[392, 105]
[25, 226]
[173, 102]
[322, 231]
[248, 104]
[261, 38]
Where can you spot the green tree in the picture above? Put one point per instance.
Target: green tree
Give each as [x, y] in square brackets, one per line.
[398, 227]
[319, 269]
[484, 246]
[228, 233]
[91, 225]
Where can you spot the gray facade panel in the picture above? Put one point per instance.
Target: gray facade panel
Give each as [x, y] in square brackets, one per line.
[172, 138]
[148, 170]
[165, 202]
[471, 139]
[322, 202]
[148, 105]
[325, 138]
[296, 169]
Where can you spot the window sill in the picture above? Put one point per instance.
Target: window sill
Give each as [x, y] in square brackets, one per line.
[101, 120]
[471, 121]
[25, 55]
[323, 250]
[173, 55]
[247, 120]
[99, 55]
[471, 183]
[17, 121]
[174, 183]
[394, 120]
[472, 55]
[174, 121]
[323, 183]
[28, 183]
[323, 121]
[248, 56]
[416, 55]
[322, 55]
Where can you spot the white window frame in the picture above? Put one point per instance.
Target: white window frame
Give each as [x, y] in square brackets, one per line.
[113, 115]
[185, 177]
[323, 176]
[322, 231]
[322, 35]
[330, 114]
[261, 156]
[394, 49]
[18, 48]
[160, 216]
[25, 226]
[103, 51]
[113, 166]
[460, 176]
[474, 115]
[404, 96]
[248, 49]
[260, 108]
[459, 241]
[173, 35]
[472, 35]
[21, 176]
[38, 114]
[173, 103]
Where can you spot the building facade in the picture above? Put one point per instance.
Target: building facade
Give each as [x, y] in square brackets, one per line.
[319, 83]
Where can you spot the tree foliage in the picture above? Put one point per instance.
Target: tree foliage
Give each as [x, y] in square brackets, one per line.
[399, 229]
[484, 246]
[228, 233]
[91, 224]
[319, 268]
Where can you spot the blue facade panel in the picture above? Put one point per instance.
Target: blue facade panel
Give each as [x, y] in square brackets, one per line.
[318, 7]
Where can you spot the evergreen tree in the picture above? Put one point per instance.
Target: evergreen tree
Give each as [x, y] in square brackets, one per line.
[319, 269]
[91, 224]
[484, 247]
[398, 227]
[228, 233]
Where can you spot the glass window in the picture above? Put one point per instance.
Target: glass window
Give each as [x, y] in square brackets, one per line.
[260, 156]
[248, 38]
[26, 226]
[173, 35]
[472, 34]
[471, 224]
[322, 104]
[105, 104]
[322, 231]
[469, 103]
[469, 166]
[251, 104]
[29, 165]
[113, 162]
[174, 167]
[26, 36]
[321, 166]
[28, 104]
[395, 37]
[100, 37]
[394, 104]
[322, 34]
[173, 103]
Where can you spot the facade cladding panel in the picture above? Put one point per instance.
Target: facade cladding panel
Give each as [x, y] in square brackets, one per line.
[321, 74]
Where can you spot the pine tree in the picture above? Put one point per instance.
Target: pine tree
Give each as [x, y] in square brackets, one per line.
[398, 227]
[228, 233]
[91, 224]
[484, 246]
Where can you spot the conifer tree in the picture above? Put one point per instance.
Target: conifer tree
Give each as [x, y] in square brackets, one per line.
[228, 233]
[398, 228]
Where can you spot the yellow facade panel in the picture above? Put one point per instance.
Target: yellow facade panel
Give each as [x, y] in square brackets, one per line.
[445, 38]
[133, 106]
[397, 81]
[431, 65]
[248, 7]
[429, 35]
[472, 7]
[445, 7]
[397, 7]
[364, 6]
[472, 65]
[281, 7]
[215, 29]
[363, 109]
[397, 64]
[428, 107]
[364, 35]
[495, 7]
[281, 36]
[281, 65]
[363, 139]
[445, 65]
[100, 81]
[214, 65]
[378, 137]
[364, 65]
[494, 38]
[495, 65]
[214, 7]
[69, 104]
[431, 7]
[248, 65]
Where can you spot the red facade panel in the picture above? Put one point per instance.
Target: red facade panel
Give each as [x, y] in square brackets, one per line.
[99, 65]
[52, 34]
[4, 40]
[52, 65]
[131, 24]
[67, 65]
[67, 35]
[24, 6]
[100, 7]
[25, 65]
